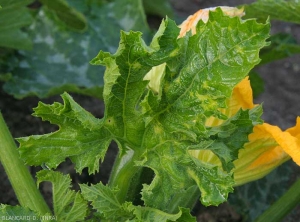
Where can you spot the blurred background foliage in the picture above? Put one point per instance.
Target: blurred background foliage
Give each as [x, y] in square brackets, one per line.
[57, 41]
[46, 46]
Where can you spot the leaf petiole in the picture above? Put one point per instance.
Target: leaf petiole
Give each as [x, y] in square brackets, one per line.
[124, 175]
[18, 174]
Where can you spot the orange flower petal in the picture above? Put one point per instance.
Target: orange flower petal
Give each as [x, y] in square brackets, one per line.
[241, 98]
[289, 143]
[259, 157]
[203, 14]
[270, 152]
[268, 148]
[295, 131]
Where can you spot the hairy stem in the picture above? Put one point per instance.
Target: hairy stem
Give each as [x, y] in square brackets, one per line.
[18, 174]
[128, 177]
[188, 200]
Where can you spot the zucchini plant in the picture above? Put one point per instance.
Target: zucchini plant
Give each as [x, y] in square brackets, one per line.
[181, 112]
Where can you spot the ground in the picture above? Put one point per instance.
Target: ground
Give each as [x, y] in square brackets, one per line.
[281, 103]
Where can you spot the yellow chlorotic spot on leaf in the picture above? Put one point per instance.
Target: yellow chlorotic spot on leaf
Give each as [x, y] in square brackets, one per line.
[174, 53]
[110, 121]
[177, 81]
[205, 85]
[202, 97]
[158, 130]
[136, 65]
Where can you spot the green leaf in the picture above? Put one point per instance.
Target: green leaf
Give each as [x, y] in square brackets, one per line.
[257, 84]
[8, 62]
[81, 137]
[226, 139]
[67, 15]
[195, 86]
[104, 200]
[60, 59]
[13, 16]
[252, 199]
[18, 213]
[160, 8]
[5, 77]
[67, 204]
[282, 46]
[176, 171]
[146, 214]
[160, 128]
[283, 206]
[185, 216]
[284, 10]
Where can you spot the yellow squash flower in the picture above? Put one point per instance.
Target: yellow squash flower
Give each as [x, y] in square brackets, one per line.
[268, 145]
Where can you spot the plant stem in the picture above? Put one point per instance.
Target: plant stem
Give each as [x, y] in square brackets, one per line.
[122, 174]
[282, 206]
[188, 200]
[18, 174]
[127, 177]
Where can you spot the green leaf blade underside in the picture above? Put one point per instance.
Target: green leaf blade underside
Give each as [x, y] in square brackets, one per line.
[283, 10]
[60, 58]
[68, 205]
[161, 126]
[13, 16]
